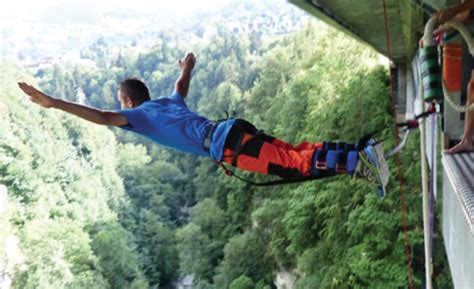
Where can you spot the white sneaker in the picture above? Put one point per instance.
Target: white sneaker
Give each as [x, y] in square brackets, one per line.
[373, 167]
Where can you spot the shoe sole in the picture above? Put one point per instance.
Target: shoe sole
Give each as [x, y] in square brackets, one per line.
[378, 162]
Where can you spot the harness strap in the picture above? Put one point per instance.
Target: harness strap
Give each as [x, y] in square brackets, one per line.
[321, 175]
[208, 137]
[321, 163]
[341, 146]
[341, 163]
[351, 147]
[238, 148]
[327, 145]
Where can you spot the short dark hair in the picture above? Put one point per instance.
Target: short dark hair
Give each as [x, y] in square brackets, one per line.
[135, 89]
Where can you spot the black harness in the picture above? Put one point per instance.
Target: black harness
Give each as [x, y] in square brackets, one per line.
[208, 136]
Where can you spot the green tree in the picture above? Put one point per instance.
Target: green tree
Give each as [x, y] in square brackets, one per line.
[59, 255]
[119, 262]
[243, 282]
[243, 255]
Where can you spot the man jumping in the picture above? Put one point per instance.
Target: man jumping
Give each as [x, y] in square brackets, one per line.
[168, 121]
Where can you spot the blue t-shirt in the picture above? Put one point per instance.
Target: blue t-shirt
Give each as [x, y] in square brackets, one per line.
[168, 121]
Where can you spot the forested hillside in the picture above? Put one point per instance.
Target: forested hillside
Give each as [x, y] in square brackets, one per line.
[98, 207]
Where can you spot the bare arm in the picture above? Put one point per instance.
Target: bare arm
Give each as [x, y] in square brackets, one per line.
[449, 13]
[184, 79]
[460, 11]
[86, 112]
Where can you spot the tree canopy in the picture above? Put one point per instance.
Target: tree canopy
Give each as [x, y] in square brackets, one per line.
[97, 207]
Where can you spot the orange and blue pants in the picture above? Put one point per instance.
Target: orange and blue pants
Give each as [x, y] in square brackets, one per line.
[265, 154]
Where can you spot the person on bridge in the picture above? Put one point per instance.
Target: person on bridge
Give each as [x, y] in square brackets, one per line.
[463, 13]
[467, 142]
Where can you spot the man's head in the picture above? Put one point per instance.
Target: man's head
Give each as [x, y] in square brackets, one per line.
[132, 93]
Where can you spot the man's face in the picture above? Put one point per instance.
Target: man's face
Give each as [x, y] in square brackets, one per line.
[125, 101]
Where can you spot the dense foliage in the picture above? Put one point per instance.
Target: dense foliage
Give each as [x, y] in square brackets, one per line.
[97, 207]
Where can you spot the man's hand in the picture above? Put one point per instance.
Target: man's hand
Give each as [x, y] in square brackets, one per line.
[444, 16]
[83, 111]
[37, 96]
[460, 11]
[187, 64]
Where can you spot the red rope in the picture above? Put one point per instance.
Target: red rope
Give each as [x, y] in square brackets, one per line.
[399, 170]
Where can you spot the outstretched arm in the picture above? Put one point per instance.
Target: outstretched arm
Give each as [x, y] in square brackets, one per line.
[186, 65]
[86, 112]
